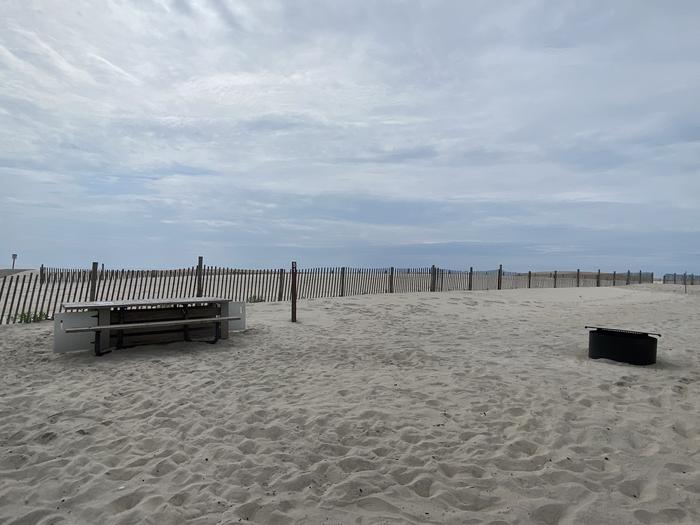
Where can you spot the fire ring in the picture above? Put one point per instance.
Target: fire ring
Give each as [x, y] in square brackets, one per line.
[625, 346]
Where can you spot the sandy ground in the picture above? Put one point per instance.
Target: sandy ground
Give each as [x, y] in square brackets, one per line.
[462, 407]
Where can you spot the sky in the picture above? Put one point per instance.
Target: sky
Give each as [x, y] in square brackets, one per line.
[535, 134]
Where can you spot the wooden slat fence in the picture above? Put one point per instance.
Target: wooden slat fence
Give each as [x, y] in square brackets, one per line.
[690, 279]
[37, 295]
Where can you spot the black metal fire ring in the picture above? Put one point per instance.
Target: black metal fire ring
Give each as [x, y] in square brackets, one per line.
[626, 346]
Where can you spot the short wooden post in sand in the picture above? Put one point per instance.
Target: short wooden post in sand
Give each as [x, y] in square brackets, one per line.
[578, 278]
[597, 279]
[93, 281]
[628, 278]
[342, 282]
[500, 276]
[200, 261]
[294, 291]
[555, 278]
[529, 279]
[471, 278]
[391, 280]
[614, 278]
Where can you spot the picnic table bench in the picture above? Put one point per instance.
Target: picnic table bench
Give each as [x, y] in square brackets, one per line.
[105, 324]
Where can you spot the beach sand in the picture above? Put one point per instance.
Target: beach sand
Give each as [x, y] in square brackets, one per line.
[461, 407]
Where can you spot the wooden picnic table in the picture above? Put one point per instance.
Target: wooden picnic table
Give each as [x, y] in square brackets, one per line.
[144, 321]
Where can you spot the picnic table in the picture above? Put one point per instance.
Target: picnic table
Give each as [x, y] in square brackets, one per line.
[106, 324]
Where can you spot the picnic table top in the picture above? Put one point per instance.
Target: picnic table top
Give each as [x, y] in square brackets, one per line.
[104, 305]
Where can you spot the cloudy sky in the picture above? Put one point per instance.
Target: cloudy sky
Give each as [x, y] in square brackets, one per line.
[535, 134]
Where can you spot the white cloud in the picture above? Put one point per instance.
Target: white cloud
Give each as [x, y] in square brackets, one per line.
[195, 112]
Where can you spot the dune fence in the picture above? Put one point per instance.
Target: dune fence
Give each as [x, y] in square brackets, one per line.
[689, 279]
[37, 295]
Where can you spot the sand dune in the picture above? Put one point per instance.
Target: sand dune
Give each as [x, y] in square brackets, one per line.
[460, 407]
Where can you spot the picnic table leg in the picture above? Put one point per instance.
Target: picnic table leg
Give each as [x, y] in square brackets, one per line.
[120, 333]
[97, 342]
[185, 328]
[103, 318]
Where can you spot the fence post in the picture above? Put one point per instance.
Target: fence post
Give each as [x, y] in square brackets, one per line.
[555, 278]
[614, 278]
[628, 278]
[42, 276]
[280, 291]
[391, 280]
[294, 291]
[102, 272]
[471, 277]
[578, 278]
[652, 278]
[433, 276]
[529, 278]
[640, 276]
[200, 261]
[674, 279]
[597, 279]
[500, 276]
[342, 282]
[93, 281]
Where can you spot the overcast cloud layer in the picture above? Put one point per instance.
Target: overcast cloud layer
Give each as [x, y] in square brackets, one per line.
[535, 134]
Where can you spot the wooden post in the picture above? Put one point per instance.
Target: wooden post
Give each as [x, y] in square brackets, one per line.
[500, 276]
[640, 276]
[578, 278]
[200, 261]
[652, 278]
[42, 275]
[529, 278]
[342, 282]
[674, 279]
[597, 279]
[391, 280]
[280, 291]
[294, 291]
[102, 272]
[614, 278]
[555, 278]
[471, 278]
[433, 278]
[628, 278]
[93, 281]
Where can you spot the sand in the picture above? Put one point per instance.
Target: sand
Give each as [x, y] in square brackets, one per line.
[460, 407]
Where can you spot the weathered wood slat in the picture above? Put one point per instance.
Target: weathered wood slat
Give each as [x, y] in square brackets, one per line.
[13, 279]
[2, 290]
[32, 312]
[19, 298]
